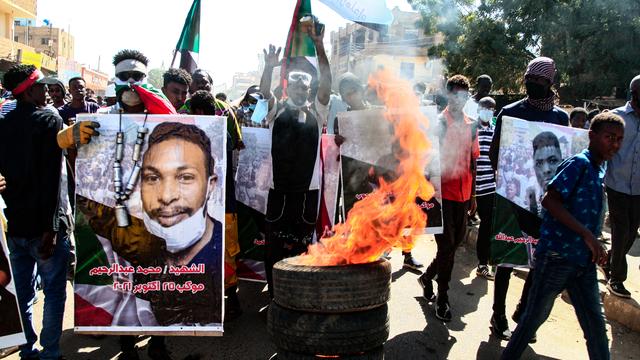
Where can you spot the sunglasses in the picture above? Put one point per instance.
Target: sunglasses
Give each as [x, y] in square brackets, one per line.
[304, 78]
[135, 75]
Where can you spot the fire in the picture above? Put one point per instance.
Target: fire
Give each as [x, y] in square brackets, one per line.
[376, 223]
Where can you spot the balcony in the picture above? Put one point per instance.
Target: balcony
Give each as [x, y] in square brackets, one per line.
[19, 8]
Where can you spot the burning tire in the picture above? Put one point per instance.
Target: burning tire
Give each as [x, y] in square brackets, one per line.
[331, 289]
[335, 334]
[375, 354]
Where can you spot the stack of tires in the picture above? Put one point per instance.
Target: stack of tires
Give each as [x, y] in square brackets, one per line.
[336, 311]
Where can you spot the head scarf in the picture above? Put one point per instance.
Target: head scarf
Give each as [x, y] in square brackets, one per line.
[546, 68]
[34, 77]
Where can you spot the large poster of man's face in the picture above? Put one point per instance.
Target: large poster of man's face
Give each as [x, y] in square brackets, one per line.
[371, 152]
[150, 225]
[10, 325]
[530, 153]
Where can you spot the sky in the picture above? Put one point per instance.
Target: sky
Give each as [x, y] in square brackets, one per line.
[233, 32]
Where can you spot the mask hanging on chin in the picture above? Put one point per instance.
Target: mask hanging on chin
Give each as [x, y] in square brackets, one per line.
[183, 234]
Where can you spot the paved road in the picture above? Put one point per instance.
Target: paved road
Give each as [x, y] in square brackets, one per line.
[415, 332]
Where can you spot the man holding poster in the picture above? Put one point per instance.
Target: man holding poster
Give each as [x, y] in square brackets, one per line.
[538, 106]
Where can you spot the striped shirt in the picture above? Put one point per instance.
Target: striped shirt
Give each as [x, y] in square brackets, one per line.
[485, 176]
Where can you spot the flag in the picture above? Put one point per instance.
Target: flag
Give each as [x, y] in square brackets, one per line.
[189, 43]
[300, 51]
[362, 11]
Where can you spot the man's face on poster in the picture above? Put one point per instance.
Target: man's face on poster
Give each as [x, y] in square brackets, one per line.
[545, 162]
[174, 181]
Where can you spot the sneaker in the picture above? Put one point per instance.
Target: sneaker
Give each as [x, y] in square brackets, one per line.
[443, 310]
[618, 289]
[485, 272]
[427, 288]
[411, 263]
[500, 327]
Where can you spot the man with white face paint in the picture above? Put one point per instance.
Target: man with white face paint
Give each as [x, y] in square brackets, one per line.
[296, 125]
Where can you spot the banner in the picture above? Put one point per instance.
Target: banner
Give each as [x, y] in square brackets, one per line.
[530, 153]
[369, 152]
[162, 273]
[11, 333]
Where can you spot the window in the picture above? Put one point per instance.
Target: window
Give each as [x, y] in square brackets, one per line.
[44, 41]
[407, 70]
[15, 38]
[411, 35]
[16, 22]
[344, 46]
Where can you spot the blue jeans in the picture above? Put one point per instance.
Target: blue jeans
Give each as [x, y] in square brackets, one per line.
[553, 274]
[26, 263]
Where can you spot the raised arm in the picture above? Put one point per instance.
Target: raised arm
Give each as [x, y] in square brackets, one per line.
[324, 88]
[271, 60]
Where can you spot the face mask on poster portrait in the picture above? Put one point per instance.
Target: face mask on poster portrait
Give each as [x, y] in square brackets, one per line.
[183, 234]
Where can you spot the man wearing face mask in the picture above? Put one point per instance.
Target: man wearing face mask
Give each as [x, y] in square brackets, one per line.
[485, 185]
[484, 83]
[296, 125]
[538, 105]
[622, 183]
[458, 150]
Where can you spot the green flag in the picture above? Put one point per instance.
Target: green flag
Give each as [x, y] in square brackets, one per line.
[299, 52]
[189, 43]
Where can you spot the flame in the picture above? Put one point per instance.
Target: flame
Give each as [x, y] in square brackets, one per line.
[378, 222]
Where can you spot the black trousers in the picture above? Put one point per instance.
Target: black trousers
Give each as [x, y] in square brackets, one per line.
[485, 211]
[290, 224]
[454, 216]
[624, 213]
[501, 286]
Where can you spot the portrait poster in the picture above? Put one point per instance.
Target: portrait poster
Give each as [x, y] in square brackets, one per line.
[253, 180]
[162, 272]
[11, 332]
[529, 155]
[367, 154]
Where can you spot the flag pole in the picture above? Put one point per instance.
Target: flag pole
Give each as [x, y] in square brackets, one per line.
[175, 52]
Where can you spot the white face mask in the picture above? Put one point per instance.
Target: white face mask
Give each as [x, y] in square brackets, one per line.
[183, 234]
[485, 115]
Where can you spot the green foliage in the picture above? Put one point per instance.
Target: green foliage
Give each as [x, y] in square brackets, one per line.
[155, 77]
[595, 43]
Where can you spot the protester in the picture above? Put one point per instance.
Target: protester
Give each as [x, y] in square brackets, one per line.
[623, 192]
[578, 118]
[538, 105]
[78, 104]
[246, 105]
[484, 83]
[38, 235]
[202, 103]
[110, 98]
[485, 185]
[568, 251]
[458, 190]
[176, 86]
[295, 123]
[57, 91]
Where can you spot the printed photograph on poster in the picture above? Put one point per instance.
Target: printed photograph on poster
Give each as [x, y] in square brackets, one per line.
[370, 152]
[150, 225]
[11, 333]
[253, 177]
[330, 174]
[530, 152]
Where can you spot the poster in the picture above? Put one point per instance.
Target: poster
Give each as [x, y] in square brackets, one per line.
[530, 153]
[163, 273]
[11, 333]
[368, 153]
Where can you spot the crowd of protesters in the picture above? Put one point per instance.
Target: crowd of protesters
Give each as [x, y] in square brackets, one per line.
[38, 129]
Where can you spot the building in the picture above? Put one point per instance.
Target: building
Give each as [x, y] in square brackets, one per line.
[48, 40]
[11, 51]
[242, 81]
[402, 48]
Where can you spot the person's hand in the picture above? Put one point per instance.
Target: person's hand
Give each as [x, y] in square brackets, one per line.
[3, 183]
[78, 134]
[598, 252]
[473, 206]
[339, 139]
[46, 249]
[272, 58]
[317, 38]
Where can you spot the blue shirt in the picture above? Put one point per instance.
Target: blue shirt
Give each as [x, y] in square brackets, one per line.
[623, 171]
[579, 181]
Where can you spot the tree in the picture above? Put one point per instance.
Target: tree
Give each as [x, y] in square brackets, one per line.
[595, 43]
[155, 77]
